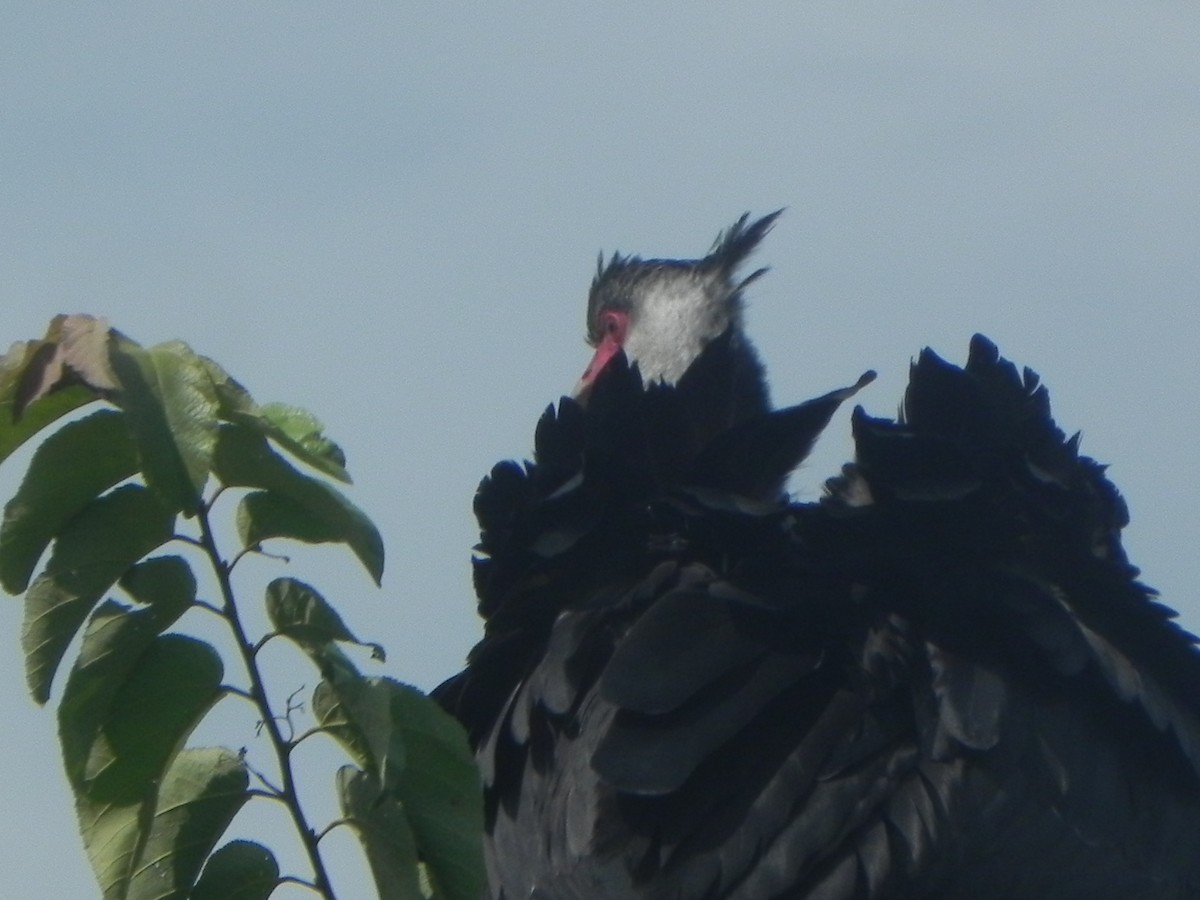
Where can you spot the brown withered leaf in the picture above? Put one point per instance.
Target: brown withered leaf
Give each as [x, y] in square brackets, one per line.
[73, 352]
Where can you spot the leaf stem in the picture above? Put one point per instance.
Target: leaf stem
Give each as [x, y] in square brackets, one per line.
[336, 823]
[233, 690]
[307, 733]
[282, 748]
[204, 604]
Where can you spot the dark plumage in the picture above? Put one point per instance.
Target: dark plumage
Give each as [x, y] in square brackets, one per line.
[944, 680]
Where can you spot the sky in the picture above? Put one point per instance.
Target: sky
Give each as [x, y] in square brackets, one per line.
[390, 215]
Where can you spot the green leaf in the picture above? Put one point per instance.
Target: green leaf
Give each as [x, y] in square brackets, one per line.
[321, 516]
[298, 612]
[331, 660]
[336, 722]
[174, 682]
[357, 711]
[295, 505]
[295, 429]
[172, 407]
[96, 547]
[165, 582]
[304, 437]
[263, 515]
[200, 795]
[113, 643]
[13, 367]
[48, 410]
[383, 830]
[241, 870]
[435, 780]
[440, 792]
[70, 469]
[233, 400]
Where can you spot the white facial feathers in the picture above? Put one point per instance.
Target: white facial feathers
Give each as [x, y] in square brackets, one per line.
[673, 314]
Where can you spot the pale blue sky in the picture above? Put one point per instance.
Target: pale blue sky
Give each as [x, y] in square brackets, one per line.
[390, 214]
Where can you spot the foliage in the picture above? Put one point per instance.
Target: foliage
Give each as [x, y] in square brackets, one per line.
[156, 437]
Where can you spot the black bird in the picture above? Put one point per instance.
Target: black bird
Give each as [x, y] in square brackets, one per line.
[943, 680]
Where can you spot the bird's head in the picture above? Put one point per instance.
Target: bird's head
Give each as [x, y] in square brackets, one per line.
[662, 313]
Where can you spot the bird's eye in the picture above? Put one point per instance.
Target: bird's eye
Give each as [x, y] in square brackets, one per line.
[612, 325]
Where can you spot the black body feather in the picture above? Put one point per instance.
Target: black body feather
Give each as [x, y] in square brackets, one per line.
[942, 681]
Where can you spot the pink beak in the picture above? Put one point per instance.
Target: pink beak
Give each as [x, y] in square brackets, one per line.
[608, 348]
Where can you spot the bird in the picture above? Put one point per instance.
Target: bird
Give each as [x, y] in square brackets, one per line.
[941, 679]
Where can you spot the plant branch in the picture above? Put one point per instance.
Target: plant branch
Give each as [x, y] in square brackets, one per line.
[287, 788]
